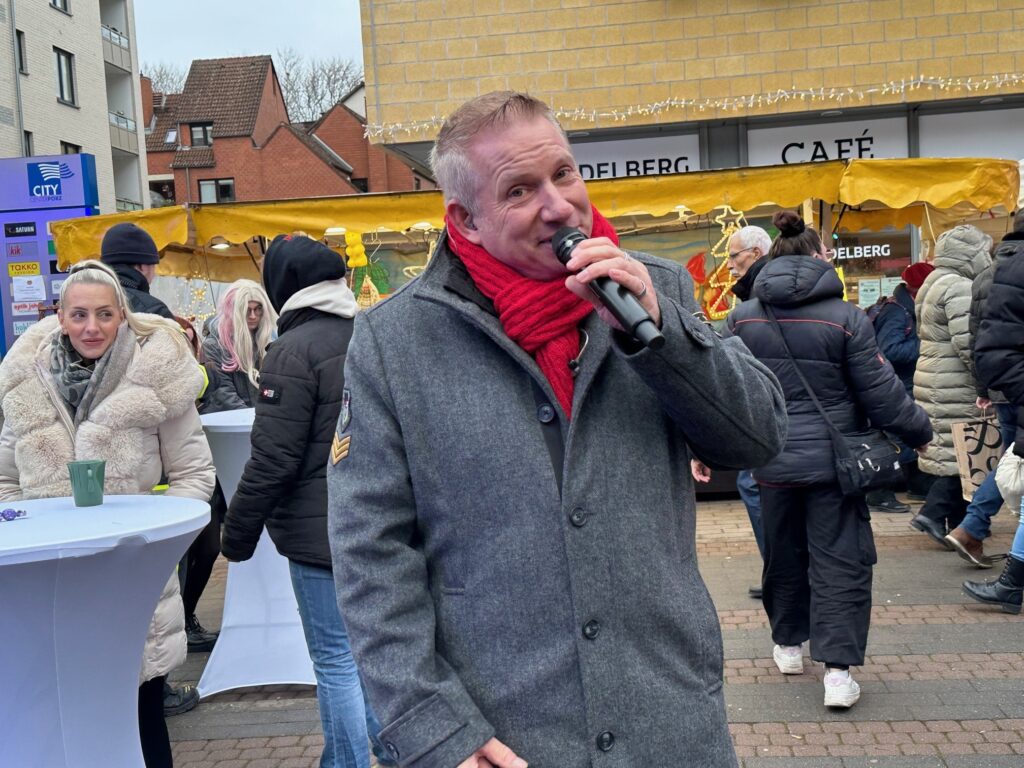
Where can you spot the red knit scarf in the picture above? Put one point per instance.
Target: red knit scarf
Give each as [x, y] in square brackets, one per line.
[542, 317]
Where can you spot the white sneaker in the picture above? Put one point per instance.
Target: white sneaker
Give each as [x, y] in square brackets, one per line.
[789, 659]
[841, 690]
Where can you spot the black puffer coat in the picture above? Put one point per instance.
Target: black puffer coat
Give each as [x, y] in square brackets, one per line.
[834, 343]
[284, 485]
[136, 287]
[999, 350]
[979, 297]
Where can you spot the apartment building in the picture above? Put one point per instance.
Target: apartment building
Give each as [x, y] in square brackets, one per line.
[69, 83]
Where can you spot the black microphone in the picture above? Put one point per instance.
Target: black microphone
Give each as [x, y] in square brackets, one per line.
[630, 313]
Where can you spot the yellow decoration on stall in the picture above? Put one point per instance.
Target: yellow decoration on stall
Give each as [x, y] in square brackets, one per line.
[355, 250]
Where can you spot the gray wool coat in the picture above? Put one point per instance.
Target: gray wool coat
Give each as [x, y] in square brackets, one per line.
[481, 600]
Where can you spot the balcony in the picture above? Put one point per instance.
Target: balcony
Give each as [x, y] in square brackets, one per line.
[124, 134]
[116, 48]
[124, 204]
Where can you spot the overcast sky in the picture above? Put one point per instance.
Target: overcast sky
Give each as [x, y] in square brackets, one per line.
[178, 32]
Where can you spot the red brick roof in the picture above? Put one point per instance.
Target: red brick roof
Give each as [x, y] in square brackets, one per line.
[165, 121]
[226, 92]
[194, 157]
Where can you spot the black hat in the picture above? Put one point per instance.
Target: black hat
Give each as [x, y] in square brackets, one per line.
[128, 244]
[294, 262]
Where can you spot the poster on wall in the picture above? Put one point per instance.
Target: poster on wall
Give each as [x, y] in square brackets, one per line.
[868, 291]
[28, 289]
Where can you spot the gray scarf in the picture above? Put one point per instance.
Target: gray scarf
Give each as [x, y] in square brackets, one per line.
[80, 382]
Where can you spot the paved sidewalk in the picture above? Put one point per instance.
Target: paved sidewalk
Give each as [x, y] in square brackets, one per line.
[942, 687]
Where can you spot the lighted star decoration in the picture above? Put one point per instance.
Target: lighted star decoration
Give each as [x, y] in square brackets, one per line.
[719, 301]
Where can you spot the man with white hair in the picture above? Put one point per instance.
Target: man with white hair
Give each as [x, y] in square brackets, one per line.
[748, 253]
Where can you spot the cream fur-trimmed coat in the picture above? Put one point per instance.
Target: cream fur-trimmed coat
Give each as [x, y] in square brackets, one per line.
[143, 422]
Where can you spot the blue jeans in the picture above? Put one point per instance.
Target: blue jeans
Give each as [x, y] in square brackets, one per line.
[750, 493]
[345, 715]
[1017, 548]
[987, 500]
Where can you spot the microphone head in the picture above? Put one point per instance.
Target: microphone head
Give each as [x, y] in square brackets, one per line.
[564, 240]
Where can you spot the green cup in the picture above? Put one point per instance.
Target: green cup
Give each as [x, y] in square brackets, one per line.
[87, 482]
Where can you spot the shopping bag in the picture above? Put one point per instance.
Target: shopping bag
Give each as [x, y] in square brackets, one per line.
[1010, 478]
[978, 447]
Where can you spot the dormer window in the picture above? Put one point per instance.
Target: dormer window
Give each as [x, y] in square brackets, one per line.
[202, 134]
[171, 137]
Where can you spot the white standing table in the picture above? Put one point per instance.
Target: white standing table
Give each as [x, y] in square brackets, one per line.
[78, 587]
[261, 640]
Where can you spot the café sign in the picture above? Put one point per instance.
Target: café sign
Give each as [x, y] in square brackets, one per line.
[784, 145]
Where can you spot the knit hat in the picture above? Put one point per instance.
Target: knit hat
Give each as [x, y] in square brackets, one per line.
[915, 274]
[294, 262]
[128, 244]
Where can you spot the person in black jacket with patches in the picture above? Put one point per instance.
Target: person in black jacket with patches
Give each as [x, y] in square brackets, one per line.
[818, 543]
[284, 484]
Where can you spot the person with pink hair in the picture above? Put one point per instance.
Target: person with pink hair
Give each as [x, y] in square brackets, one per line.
[234, 350]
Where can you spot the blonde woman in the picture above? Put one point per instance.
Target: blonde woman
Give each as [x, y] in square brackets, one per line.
[99, 382]
[234, 350]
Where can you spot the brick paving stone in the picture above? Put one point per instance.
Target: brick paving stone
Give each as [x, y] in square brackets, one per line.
[961, 677]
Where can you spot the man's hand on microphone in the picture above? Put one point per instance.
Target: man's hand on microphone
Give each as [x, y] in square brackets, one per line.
[493, 754]
[600, 256]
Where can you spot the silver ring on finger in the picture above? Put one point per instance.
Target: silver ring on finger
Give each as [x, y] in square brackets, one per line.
[643, 290]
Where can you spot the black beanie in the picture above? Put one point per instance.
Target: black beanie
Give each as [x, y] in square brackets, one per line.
[296, 262]
[128, 244]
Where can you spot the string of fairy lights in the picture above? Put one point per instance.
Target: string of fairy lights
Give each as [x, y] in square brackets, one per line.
[833, 96]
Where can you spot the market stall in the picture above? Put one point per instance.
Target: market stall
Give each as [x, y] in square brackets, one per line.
[881, 214]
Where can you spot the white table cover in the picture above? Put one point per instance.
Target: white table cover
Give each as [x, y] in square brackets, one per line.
[78, 587]
[261, 640]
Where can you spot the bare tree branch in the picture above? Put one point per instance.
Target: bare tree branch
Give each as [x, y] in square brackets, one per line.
[312, 86]
[166, 78]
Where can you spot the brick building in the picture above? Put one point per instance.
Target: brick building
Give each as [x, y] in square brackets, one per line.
[226, 137]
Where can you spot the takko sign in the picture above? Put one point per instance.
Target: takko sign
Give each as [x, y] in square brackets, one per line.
[784, 145]
[638, 157]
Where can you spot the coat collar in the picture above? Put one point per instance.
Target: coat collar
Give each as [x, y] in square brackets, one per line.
[446, 281]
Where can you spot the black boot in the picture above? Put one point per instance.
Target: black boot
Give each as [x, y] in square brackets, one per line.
[199, 639]
[1004, 591]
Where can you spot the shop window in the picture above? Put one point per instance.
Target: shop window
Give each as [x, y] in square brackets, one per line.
[217, 191]
[65, 77]
[202, 134]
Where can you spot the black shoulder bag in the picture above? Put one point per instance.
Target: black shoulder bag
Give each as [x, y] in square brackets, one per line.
[864, 461]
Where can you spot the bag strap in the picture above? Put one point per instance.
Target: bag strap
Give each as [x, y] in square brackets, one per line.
[806, 384]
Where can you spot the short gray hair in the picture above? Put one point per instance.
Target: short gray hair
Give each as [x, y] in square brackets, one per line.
[754, 237]
[449, 158]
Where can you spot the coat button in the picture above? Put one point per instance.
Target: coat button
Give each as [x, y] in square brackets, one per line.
[591, 630]
[391, 749]
[578, 517]
[545, 413]
[606, 741]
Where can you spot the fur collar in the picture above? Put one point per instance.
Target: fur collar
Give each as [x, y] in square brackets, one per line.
[157, 365]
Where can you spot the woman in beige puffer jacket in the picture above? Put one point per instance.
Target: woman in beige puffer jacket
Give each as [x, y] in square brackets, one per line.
[944, 383]
[129, 399]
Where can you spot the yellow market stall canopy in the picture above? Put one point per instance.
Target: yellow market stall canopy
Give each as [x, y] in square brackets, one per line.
[871, 194]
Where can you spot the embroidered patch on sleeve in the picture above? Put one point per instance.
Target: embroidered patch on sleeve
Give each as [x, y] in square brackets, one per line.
[270, 395]
[339, 448]
[346, 410]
